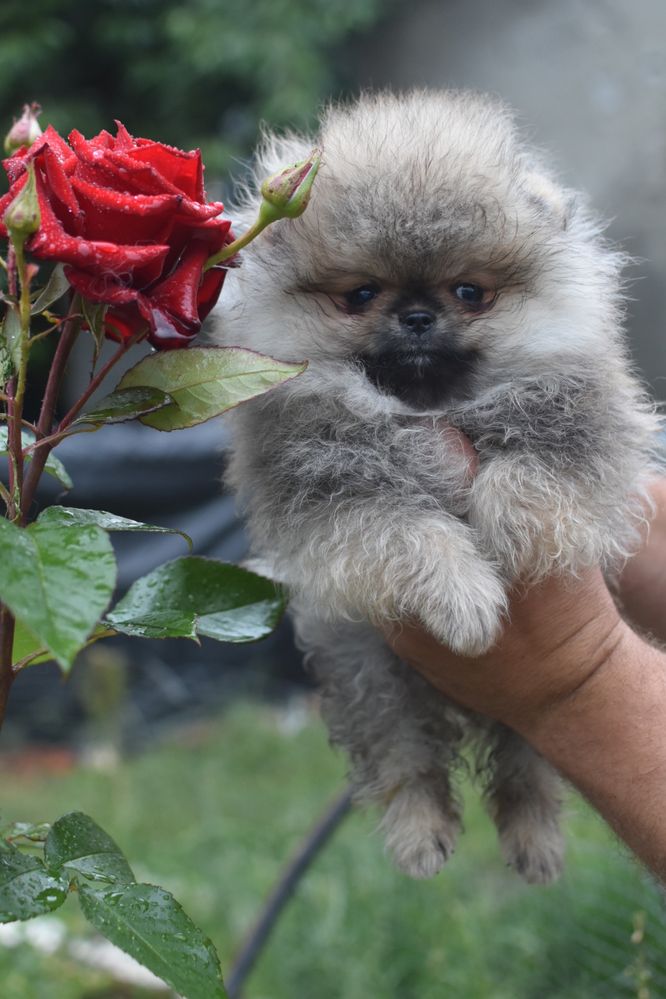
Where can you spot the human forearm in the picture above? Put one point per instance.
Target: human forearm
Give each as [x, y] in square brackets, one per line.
[608, 737]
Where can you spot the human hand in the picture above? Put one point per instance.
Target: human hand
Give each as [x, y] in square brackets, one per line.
[642, 584]
[560, 632]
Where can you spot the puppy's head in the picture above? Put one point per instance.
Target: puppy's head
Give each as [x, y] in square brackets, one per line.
[436, 254]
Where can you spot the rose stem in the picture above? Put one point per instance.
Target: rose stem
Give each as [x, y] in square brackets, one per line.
[15, 397]
[231, 249]
[98, 379]
[43, 447]
[13, 452]
[48, 443]
[67, 339]
[17, 386]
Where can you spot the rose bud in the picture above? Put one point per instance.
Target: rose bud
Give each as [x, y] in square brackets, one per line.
[24, 131]
[286, 194]
[22, 217]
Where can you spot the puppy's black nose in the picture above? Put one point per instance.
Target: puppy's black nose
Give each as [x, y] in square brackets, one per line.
[417, 321]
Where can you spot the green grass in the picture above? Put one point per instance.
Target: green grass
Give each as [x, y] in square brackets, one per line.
[213, 816]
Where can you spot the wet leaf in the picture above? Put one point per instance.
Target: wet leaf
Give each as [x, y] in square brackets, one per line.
[57, 581]
[53, 466]
[55, 288]
[148, 923]
[194, 596]
[206, 381]
[26, 645]
[93, 317]
[11, 335]
[126, 404]
[26, 887]
[78, 845]
[64, 516]
[6, 363]
[28, 651]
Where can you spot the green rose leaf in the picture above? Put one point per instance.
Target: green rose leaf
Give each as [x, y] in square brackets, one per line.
[93, 318]
[26, 646]
[78, 845]
[147, 923]
[205, 381]
[28, 651]
[194, 596]
[57, 581]
[66, 516]
[11, 335]
[55, 288]
[53, 466]
[126, 404]
[26, 887]
[6, 363]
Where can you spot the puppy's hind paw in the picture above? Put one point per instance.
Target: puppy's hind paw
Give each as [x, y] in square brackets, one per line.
[419, 835]
[539, 859]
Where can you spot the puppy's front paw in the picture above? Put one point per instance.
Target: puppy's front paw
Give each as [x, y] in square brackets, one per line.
[468, 614]
[420, 832]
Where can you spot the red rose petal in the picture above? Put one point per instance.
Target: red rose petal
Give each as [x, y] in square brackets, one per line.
[15, 165]
[188, 209]
[100, 287]
[67, 207]
[117, 170]
[123, 319]
[183, 170]
[214, 233]
[123, 325]
[60, 148]
[210, 289]
[51, 242]
[130, 218]
[103, 140]
[123, 140]
[177, 296]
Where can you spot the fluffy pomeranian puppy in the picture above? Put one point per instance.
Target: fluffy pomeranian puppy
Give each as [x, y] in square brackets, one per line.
[440, 277]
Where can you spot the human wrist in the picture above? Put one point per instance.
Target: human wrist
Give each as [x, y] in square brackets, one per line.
[575, 704]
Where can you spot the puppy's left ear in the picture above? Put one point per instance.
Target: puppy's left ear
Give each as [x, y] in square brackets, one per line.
[548, 198]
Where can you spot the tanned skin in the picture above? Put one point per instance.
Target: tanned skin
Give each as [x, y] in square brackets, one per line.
[594, 704]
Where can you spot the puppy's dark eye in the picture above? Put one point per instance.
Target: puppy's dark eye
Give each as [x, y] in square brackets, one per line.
[473, 296]
[470, 294]
[359, 297]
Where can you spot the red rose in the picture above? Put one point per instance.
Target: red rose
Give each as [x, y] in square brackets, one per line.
[130, 221]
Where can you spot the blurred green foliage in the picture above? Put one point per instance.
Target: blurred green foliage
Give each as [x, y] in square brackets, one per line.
[197, 73]
[213, 817]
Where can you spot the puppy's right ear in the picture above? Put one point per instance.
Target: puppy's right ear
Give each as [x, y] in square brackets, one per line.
[549, 198]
